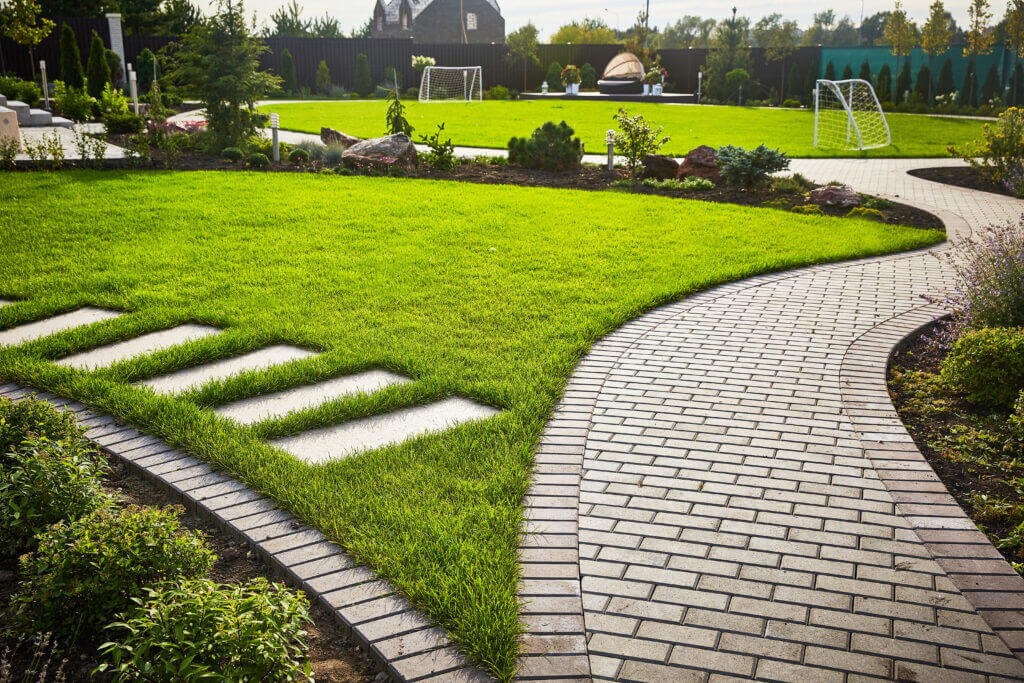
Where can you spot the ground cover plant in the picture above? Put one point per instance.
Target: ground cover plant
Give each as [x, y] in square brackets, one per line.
[488, 292]
[490, 123]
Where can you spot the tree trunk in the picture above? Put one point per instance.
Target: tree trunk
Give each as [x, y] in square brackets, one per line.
[782, 85]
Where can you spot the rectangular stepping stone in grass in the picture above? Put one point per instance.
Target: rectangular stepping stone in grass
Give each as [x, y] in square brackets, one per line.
[340, 441]
[190, 378]
[139, 346]
[58, 323]
[252, 410]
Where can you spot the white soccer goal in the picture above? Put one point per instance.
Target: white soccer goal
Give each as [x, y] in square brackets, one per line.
[847, 115]
[452, 84]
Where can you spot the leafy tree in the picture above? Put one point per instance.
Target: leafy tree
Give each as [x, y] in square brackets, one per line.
[217, 62]
[730, 52]
[146, 69]
[883, 85]
[827, 30]
[847, 72]
[287, 22]
[991, 88]
[23, 25]
[872, 29]
[323, 78]
[641, 41]
[969, 93]
[326, 27]
[1017, 86]
[1014, 26]
[690, 31]
[935, 38]
[97, 70]
[903, 82]
[71, 71]
[945, 84]
[142, 17]
[923, 85]
[288, 76]
[586, 32]
[900, 33]
[778, 38]
[830, 71]
[865, 71]
[522, 44]
[57, 9]
[178, 16]
[980, 39]
[362, 83]
[363, 30]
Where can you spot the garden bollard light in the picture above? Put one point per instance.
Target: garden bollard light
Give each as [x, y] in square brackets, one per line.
[544, 88]
[610, 139]
[133, 87]
[46, 88]
[275, 122]
[700, 82]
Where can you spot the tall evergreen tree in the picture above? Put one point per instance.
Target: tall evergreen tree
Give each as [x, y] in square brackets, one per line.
[1017, 91]
[883, 84]
[847, 72]
[865, 71]
[969, 93]
[323, 78]
[116, 70]
[730, 52]
[146, 65]
[991, 88]
[288, 76]
[830, 71]
[945, 84]
[97, 71]
[794, 84]
[903, 82]
[363, 82]
[923, 86]
[71, 71]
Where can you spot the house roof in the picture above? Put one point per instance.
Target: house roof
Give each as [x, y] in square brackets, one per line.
[393, 7]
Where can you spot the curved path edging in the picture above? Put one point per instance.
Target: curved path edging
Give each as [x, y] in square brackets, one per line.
[398, 636]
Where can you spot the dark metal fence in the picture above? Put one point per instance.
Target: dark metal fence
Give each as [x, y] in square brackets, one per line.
[14, 58]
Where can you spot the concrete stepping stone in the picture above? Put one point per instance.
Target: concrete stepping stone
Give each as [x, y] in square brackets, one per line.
[139, 346]
[58, 323]
[190, 378]
[340, 441]
[252, 410]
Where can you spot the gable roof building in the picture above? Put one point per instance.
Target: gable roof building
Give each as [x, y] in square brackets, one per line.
[439, 21]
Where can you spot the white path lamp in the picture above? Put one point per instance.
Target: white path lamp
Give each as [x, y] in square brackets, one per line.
[46, 86]
[609, 138]
[133, 87]
[275, 123]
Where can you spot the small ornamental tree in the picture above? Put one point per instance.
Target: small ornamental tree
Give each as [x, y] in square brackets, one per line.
[991, 88]
[217, 62]
[589, 77]
[363, 83]
[323, 78]
[522, 44]
[847, 72]
[291, 81]
[865, 71]
[980, 38]
[114, 64]
[901, 35]
[23, 25]
[71, 71]
[936, 35]
[146, 69]
[554, 75]
[883, 86]
[903, 82]
[945, 84]
[830, 71]
[635, 140]
[98, 71]
[923, 85]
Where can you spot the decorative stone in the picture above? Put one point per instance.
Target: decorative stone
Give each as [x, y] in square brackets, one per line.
[190, 378]
[329, 136]
[660, 166]
[58, 323]
[835, 195]
[137, 346]
[390, 150]
[701, 162]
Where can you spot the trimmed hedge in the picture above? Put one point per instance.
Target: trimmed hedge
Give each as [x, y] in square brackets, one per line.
[987, 366]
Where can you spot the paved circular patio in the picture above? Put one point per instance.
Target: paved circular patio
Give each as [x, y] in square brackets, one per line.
[746, 503]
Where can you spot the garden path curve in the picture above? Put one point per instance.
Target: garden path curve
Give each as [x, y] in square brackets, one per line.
[748, 504]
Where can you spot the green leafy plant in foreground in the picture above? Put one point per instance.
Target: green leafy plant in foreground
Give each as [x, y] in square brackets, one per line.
[440, 155]
[635, 140]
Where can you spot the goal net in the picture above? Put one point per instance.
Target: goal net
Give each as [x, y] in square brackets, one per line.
[452, 84]
[847, 115]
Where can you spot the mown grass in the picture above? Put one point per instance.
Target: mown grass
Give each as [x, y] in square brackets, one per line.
[491, 123]
[489, 292]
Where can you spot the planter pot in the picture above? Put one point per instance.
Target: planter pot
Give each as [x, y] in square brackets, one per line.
[647, 88]
[657, 89]
[575, 88]
[568, 88]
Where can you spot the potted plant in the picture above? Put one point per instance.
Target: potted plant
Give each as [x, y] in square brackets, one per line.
[421, 62]
[571, 78]
[654, 80]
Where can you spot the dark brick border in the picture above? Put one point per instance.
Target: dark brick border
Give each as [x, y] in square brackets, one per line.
[404, 641]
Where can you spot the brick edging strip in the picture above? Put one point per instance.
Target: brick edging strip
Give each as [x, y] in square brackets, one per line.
[398, 636]
[972, 563]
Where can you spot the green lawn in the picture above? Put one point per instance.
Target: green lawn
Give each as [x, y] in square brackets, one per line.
[489, 292]
[491, 123]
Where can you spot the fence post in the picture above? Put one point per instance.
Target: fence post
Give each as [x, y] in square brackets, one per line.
[116, 38]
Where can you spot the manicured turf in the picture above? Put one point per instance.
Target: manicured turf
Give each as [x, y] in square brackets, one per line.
[491, 123]
[490, 292]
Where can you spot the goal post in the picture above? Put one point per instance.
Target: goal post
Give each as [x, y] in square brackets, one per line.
[452, 84]
[848, 115]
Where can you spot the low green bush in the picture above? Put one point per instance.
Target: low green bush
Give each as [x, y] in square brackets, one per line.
[23, 91]
[498, 92]
[74, 104]
[750, 168]
[313, 148]
[198, 630]
[792, 184]
[880, 203]
[866, 212]
[987, 366]
[86, 571]
[33, 418]
[298, 156]
[43, 482]
[440, 154]
[124, 124]
[791, 104]
[688, 184]
[552, 147]
[257, 160]
[232, 154]
[779, 203]
[808, 209]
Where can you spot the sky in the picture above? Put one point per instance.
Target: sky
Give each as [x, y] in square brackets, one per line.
[548, 16]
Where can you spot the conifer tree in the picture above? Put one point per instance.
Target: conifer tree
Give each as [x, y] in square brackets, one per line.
[71, 71]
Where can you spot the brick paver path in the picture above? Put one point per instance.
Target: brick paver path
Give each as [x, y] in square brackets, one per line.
[730, 523]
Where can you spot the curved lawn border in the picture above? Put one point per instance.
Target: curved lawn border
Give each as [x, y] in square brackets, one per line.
[402, 640]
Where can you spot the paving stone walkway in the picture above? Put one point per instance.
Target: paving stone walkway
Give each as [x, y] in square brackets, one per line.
[732, 521]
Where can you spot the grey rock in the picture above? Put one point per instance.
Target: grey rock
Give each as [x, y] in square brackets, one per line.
[835, 195]
[660, 166]
[329, 136]
[390, 150]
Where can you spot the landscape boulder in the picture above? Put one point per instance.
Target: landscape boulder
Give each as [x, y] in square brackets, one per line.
[701, 162]
[835, 195]
[329, 135]
[390, 150]
[660, 166]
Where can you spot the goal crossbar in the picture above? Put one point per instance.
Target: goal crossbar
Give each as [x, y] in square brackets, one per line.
[452, 83]
[852, 95]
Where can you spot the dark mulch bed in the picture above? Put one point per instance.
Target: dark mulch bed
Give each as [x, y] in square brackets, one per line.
[961, 176]
[333, 656]
[963, 478]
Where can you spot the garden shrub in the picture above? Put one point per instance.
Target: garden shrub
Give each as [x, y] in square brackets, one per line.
[635, 140]
[124, 124]
[792, 184]
[498, 92]
[552, 147]
[97, 69]
[232, 154]
[808, 209]
[23, 91]
[987, 366]
[750, 168]
[298, 156]
[76, 105]
[866, 212]
[257, 160]
[323, 78]
[33, 418]
[43, 482]
[111, 101]
[199, 630]
[1000, 154]
[9, 149]
[71, 71]
[880, 203]
[688, 184]
[86, 571]
[394, 119]
[332, 153]
[362, 81]
[439, 155]
[289, 81]
[313, 148]
[588, 76]
[791, 104]
[554, 75]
